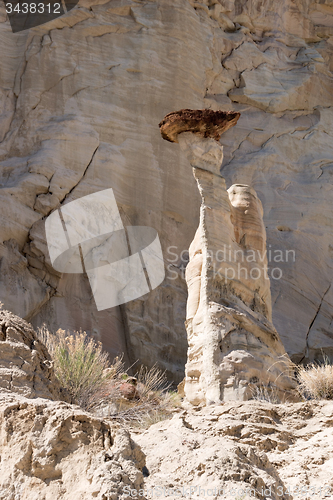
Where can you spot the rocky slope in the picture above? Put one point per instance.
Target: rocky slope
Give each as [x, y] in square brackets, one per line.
[25, 364]
[50, 449]
[81, 100]
[55, 451]
[252, 449]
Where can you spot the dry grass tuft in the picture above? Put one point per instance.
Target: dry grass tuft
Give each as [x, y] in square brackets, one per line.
[152, 400]
[264, 393]
[316, 380]
[268, 391]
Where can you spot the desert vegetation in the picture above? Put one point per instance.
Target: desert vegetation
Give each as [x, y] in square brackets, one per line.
[104, 387]
[316, 380]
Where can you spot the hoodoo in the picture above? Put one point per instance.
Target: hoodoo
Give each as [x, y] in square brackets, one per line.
[233, 345]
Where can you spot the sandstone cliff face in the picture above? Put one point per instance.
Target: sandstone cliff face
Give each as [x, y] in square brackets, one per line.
[80, 102]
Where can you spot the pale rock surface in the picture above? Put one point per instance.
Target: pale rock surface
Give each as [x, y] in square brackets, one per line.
[50, 449]
[242, 449]
[81, 98]
[233, 345]
[25, 364]
[55, 451]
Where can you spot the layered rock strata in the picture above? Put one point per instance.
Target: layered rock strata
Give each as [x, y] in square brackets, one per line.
[233, 345]
[25, 364]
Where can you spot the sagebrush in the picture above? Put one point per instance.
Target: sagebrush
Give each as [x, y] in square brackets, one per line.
[79, 363]
[99, 385]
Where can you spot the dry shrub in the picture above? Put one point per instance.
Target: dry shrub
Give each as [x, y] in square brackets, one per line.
[79, 363]
[316, 380]
[153, 400]
[97, 385]
[151, 383]
[269, 391]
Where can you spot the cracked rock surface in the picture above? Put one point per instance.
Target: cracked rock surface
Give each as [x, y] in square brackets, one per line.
[81, 98]
[55, 451]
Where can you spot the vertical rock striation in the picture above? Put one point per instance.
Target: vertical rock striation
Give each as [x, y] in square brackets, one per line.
[233, 345]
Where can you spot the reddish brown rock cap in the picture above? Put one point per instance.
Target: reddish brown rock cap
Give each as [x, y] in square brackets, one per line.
[203, 122]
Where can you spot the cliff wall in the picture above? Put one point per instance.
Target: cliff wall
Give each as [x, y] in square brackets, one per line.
[81, 100]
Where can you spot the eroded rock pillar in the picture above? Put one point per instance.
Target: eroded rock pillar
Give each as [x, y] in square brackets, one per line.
[233, 345]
